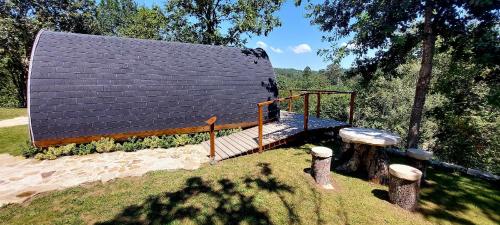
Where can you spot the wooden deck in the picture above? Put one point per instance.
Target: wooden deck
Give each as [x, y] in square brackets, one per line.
[274, 134]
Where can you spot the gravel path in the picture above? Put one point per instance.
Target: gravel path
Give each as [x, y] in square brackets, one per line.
[23, 120]
[21, 179]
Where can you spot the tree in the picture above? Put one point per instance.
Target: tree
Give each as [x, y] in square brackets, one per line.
[307, 72]
[395, 29]
[112, 15]
[334, 73]
[146, 23]
[202, 21]
[20, 20]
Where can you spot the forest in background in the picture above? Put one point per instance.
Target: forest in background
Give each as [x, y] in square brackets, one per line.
[461, 121]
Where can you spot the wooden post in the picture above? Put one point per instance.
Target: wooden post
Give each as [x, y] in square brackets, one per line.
[351, 107]
[211, 123]
[306, 111]
[260, 127]
[318, 105]
[290, 102]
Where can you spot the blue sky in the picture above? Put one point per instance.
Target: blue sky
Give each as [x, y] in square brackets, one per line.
[294, 44]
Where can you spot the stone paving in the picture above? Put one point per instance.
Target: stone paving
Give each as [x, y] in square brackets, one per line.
[21, 179]
[23, 120]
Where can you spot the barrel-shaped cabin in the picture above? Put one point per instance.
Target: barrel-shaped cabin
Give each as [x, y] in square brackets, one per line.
[84, 87]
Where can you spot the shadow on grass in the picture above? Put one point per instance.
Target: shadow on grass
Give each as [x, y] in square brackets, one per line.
[221, 202]
[449, 195]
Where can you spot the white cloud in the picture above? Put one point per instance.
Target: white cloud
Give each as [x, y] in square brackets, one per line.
[277, 50]
[261, 44]
[302, 48]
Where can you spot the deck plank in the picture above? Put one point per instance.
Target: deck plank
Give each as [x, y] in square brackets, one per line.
[274, 133]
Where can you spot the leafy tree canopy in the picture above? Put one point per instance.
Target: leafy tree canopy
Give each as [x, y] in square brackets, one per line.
[394, 28]
[221, 22]
[20, 20]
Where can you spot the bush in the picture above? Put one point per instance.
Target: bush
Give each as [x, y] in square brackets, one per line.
[104, 145]
[131, 145]
[29, 150]
[181, 140]
[167, 141]
[54, 152]
[152, 142]
[84, 149]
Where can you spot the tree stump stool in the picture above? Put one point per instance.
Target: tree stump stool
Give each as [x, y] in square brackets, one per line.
[320, 167]
[404, 186]
[419, 159]
[367, 152]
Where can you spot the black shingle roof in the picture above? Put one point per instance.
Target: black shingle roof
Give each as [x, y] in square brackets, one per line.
[86, 85]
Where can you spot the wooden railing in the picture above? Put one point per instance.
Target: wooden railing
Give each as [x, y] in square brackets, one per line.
[305, 94]
[211, 123]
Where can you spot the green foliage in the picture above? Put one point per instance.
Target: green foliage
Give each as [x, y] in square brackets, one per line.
[84, 149]
[29, 150]
[113, 15]
[124, 18]
[393, 29]
[54, 152]
[104, 145]
[220, 22]
[20, 21]
[468, 131]
[131, 145]
[146, 23]
[152, 142]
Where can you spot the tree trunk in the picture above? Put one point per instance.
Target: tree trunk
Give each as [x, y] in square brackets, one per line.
[377, 165]
[424, 78]
[404, 193]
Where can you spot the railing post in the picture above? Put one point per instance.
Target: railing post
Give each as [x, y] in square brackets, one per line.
[211, 123]
[306, 111]
[260, 122]
[290, 101]
[351, 107]
[318, 105]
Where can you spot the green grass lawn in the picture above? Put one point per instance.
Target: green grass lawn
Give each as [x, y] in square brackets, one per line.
[9, 113]
[12, 138]
[267, 188]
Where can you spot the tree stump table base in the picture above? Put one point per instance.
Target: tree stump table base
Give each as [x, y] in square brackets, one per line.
[366, 152]
[404, 186]
[369, 158]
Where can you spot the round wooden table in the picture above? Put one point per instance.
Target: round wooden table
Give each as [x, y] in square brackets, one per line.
[361, 149]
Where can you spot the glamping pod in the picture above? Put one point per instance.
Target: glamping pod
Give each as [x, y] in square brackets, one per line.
[84, 87]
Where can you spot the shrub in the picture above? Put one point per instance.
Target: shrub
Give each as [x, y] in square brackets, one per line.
[104, 145]
[181, 140]
[152, 142]
[54, 152]
[132, 144]
[167, 141]
[84, 149]
[29, 150]
[199, 137]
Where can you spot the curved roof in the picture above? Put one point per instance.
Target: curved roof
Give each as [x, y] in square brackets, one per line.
[85, 86]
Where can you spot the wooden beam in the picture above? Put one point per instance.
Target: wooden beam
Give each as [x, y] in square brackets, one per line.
[290, 101]
[306, 111]
[260, 119]
[318, 105]
[211, 123]
[140, 134]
